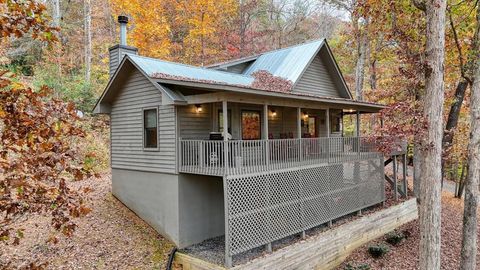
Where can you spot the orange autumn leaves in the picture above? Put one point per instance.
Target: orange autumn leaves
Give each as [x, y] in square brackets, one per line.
[189, 31]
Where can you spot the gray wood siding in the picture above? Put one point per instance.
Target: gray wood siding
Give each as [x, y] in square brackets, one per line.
[127, 128]
[193, 124]
[116, 55]
[275, 123]
[113, 63]
[290, 121]
[316, 80]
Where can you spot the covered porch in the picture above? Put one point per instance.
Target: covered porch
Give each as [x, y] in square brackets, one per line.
[266, 135]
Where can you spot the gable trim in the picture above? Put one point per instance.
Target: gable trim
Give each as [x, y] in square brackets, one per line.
[101, 107]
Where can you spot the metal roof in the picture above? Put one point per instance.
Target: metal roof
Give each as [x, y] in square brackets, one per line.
[155, 68]
[288, 63]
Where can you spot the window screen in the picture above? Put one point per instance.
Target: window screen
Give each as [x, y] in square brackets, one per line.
[150, 123]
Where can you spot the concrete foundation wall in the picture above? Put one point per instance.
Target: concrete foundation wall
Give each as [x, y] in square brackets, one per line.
[201, 207]
[186, 209]
[152, 196]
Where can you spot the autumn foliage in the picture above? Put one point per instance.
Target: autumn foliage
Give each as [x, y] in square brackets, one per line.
[20, 17]
[38, 155]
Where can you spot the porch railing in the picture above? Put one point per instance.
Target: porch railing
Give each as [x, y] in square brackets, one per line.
[253, 156]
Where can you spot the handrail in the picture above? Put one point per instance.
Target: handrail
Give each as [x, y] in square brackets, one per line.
[251, 156]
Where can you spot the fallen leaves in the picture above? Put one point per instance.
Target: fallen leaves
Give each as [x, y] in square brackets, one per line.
[405, 255]
[110, 237]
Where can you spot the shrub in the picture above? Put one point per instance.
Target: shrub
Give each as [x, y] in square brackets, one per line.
[378, 251]
[395, 238]
[364, 266]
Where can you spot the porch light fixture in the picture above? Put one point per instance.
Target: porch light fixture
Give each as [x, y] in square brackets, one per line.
[274, 113]
[305, 115]
[199, 108]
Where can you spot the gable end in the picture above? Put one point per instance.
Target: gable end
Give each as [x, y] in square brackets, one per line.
[322, 77]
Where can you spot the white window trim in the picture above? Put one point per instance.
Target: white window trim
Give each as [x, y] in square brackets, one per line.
[150, 149]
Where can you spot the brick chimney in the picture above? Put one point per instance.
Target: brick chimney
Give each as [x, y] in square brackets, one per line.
[118, 51]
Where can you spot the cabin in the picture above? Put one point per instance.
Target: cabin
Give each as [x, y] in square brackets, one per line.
[252, 149]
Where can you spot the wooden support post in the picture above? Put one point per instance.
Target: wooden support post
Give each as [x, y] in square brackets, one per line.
[330, 224]
[299, 133]
[304, 235]
[357, 125]
[395, 184]
[225, 136]
[299, 123]
[327, 122]
[269, 247]
[357, 130]
[265, 135]
[405, 184]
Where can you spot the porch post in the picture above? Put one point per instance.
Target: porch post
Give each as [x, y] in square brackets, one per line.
[299, 123]
[358, 131]
[265, 122]
[225, 120]
[358, 124]
[225, 136]
[327, 122]
[268, 246]
[228, 256]
[299, 133]
[265, 135]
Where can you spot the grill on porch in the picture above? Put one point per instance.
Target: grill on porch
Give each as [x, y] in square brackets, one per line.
[237, 157]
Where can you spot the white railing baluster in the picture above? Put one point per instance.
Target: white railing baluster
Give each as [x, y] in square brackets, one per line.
[250, 156]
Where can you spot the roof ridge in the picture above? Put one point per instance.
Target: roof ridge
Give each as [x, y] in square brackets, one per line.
[267, 52]
[190, 66]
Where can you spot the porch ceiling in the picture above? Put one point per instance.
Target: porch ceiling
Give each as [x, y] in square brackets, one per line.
[283, 99]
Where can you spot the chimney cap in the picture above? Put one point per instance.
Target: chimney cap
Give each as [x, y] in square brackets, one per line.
[122, 19]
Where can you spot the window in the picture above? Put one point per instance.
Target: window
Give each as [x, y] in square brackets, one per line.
[220, 121]
[150, 128]
[335, 120]
[312, 126]
[251, 126]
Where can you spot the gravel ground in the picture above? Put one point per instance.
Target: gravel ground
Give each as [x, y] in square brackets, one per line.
[109, 237]
[213, 250]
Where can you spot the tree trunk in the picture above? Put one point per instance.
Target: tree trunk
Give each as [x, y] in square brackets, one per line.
[416, 170]
[360, 67]
[452, 119]
[454, 113]
[56, 13]
[88, 39]
[431, 150]
[469, 240]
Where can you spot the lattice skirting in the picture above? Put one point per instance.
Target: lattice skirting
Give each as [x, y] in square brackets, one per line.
[264, 207]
